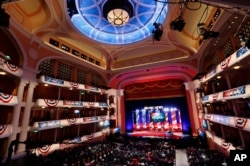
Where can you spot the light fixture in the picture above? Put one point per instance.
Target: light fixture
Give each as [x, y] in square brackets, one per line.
[3, 73]
[236, 67]
[118, 12]
[157, 31]
[218, 77]
[205, 33]
[178, 24]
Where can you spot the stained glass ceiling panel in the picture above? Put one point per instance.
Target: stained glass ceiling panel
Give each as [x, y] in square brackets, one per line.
[87, 17]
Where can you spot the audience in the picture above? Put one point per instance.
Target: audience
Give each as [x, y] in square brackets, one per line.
[204, 157]
[131, 151]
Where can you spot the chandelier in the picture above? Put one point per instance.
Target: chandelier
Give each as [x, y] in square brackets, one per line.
[118, 12]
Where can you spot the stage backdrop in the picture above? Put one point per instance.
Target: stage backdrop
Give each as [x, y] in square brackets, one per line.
[178, 104]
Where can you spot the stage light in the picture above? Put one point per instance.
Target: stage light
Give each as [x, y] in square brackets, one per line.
[178, 24]
[157, 31]
[206, 34]
[210, 34]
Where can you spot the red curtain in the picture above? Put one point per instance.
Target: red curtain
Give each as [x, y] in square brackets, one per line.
[156, 89]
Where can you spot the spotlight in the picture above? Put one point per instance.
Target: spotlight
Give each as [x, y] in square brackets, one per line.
[206, 34]
[178, 24]
[4, 18]
[157, 32]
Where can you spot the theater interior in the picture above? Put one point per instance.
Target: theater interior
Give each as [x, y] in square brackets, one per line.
[124, 82]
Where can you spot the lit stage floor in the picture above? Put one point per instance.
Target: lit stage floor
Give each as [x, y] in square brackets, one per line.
[158, 134]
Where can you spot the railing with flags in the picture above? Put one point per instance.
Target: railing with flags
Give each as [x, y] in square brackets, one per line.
[12, 69]
[68, 103]
[221, 143]
[5, 130]
[44, 125]
[232, 121]
[47, 149]
[7, 99]
[235, 93]
[68, 84]
[236, 57]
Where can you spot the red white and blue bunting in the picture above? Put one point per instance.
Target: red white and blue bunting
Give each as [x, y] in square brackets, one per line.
[237, 122]
[71, 121]
[2, 129]
[13, 69]
[7, 99]
[45, 149]
[51, 103]
[225, 145]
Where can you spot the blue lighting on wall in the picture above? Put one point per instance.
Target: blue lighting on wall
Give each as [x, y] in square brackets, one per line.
[88, 19]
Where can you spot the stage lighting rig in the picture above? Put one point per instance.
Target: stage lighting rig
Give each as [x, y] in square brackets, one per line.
[178, 24]
[157, 31]
[206, 34]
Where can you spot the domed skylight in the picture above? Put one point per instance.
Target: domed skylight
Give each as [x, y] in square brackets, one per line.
[87, 17]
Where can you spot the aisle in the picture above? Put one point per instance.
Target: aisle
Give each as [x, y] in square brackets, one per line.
[181, 157]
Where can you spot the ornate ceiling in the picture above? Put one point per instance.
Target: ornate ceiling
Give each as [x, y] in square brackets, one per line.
[88, 18]
[128, 53]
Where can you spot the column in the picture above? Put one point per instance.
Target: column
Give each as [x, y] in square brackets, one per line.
[192, 107]
[26, 117]
[120, 116]
[57, 110]
[16, 111]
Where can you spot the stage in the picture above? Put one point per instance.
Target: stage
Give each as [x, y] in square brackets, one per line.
[158, 134]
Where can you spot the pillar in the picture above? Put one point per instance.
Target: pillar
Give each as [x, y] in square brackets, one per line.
[26, 117]
[120, 111]
[192, 107]
[16, 111]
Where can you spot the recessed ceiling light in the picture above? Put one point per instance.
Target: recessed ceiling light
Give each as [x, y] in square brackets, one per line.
[3, 73]
[236, 67]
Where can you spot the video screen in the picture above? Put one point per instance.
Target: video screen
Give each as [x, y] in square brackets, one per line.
[157, 117]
